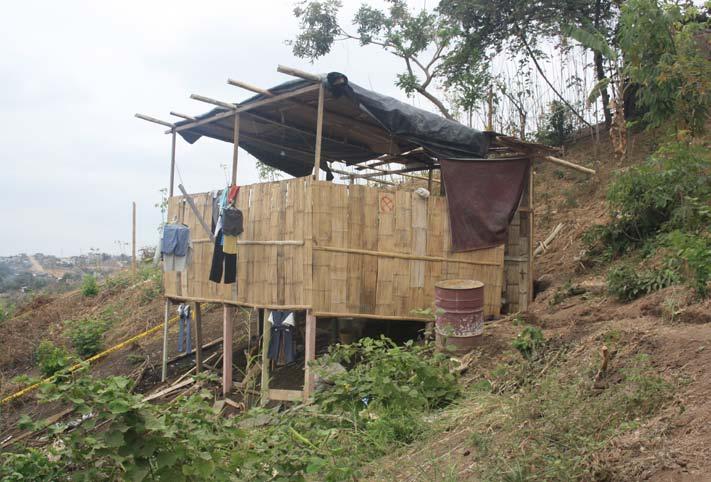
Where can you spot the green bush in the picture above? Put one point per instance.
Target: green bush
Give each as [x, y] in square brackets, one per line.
[387, 375]
[557, 125]
[693, 255]
[86, 335]
[51, 358]
[670, 191]
[89, 287]
[529, 342]
[627, 283]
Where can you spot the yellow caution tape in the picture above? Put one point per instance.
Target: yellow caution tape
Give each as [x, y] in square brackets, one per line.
[98, 356]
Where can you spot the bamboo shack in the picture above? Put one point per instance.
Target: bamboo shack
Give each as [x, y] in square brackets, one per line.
[366, 247]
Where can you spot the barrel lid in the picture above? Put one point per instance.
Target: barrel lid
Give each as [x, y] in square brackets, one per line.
[459, 284]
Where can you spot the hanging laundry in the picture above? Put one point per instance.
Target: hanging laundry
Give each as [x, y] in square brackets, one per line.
[184, 328]
[229, 244]
[282, 340]
[222, 262]
[175, 247]
[232, 221]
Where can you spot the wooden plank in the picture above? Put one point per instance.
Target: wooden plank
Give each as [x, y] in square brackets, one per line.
[285, 395]
[172, 164]
[310, 354]
[266, 339]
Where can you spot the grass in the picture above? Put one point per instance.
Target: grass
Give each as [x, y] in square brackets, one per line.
[543, 419]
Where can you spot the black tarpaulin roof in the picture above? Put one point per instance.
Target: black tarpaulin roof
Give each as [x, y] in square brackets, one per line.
[359, 125]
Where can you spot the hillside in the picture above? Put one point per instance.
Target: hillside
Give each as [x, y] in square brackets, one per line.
[553, 413]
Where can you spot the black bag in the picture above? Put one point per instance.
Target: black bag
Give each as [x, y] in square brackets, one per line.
[232, 222]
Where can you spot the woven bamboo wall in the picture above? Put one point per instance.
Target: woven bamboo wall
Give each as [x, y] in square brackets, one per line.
[389, 221]
[330, 218]
[267, 275]
[518, 277]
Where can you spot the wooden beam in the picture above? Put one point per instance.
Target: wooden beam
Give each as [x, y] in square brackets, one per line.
[182, 116]
[403, 172]
[227, 315]
[164, 364]
[569, 165]
[246, 107]
[310, 354]
[319, 131]
[154, 120]
[266, 339]
[298, 73]
[335, 314]
[197, 317]
[235, 150]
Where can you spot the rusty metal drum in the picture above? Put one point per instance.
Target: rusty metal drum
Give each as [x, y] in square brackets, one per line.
[459, 307]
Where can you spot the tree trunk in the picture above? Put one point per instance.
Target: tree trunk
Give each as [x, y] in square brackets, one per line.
[604, 94]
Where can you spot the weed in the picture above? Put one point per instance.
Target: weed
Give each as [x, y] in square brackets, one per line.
[570, 198]
[529, 341]
[89, 287]
[627, 283]
[86, 335]
[51, 358]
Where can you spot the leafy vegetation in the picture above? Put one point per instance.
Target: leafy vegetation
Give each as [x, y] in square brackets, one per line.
[529, 342]
[189, 440]
[51, 358]
[557, 125]
[86, 335]
[660, 208]
[89, 287]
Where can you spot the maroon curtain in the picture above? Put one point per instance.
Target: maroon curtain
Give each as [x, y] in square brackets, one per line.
[482, 197]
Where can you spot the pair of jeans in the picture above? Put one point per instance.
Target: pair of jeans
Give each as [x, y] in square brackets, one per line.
[184, 335]
[222, 261]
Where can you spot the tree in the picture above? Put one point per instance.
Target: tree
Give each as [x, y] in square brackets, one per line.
[425, 41]
[519, 26]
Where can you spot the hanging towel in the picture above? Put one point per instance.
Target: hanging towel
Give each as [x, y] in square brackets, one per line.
[282, 335]
[229, 246]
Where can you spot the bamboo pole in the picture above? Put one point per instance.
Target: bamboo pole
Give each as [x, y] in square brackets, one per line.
[266, 339]
[197, 316]
[319, 132]
[235, 150]
[164, 364]
[310, 354]
[568, 164]
[250, 87]
[298, 73]
[227, 312]
[182, 116]
[154, 120]
[133, 239]
[209, 100]
[390, 254]
[172, 165]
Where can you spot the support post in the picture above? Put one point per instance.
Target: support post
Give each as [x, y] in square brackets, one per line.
[227, 312]
[319, 132]
[531, 231]
[164, 364]
[133, 239]
[197, 317]
[429, 180]
[310, 354]
[266, 339]
[172, 165]
[235, 152]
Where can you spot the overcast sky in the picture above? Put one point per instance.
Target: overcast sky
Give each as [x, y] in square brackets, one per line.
[73, 73]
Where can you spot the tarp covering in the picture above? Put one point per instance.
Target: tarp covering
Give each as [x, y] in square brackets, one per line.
[403, 125]
[482, 198]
